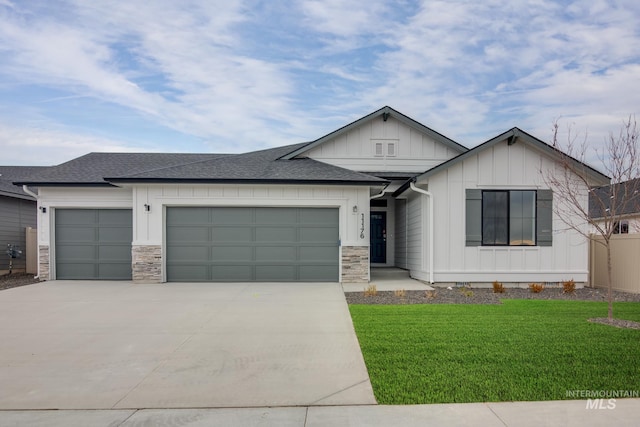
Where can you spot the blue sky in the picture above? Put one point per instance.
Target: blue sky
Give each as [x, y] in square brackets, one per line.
[230, 76]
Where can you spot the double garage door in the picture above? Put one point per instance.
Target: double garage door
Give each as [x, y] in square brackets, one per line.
[205, 244]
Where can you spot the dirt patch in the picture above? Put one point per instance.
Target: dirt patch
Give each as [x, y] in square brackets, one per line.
[8, 281]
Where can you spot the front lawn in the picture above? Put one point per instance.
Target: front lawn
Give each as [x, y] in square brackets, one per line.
[519, 351]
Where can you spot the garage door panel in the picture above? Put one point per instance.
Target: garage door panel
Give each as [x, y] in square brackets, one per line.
[318, 216]
[114, 234]
[113, 216]
[276, 273]
[76, 252]
[118, 253]
[187, 273]
[232, 273]
[276, 234]
[187, 216]
[188, 253]
[231, 216]
[275, 253]
[231, 234]
[254, 244]
[311, 253]
[76, 271]
[188, 234]
[318, 234]
[276, 215]
[309, 273]
[113, 271]
[230, 253]
[75, 234]
[75, 217]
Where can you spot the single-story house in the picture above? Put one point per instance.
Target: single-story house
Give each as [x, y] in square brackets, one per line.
[624, 213]
[17, 212]
[384, 190]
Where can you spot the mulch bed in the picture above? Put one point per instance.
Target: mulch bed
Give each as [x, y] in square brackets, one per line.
[8, 281]
[487, 296]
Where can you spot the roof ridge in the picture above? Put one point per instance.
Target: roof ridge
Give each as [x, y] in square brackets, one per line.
[217, 156]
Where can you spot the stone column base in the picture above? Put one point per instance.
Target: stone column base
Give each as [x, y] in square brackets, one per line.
[43, 262]
[355, 264]
[146, 263]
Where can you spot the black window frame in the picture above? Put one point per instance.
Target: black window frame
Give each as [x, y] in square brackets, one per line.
[508, 204]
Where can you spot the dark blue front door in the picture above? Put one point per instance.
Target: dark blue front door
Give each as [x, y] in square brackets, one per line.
[379, 237]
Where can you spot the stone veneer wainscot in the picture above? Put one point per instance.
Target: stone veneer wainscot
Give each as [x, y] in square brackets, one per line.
[146, 263]
[43, 262]
[355, 264]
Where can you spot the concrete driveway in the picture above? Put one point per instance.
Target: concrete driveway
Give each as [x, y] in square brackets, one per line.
[98, 345]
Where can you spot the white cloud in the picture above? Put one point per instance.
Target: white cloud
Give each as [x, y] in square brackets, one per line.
[46, 146]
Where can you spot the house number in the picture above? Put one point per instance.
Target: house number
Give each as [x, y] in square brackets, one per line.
[362, 226]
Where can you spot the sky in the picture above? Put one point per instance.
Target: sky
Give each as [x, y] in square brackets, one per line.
[231, 76]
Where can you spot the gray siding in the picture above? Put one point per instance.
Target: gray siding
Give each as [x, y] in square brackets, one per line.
[15, 216]
[414, 233]
[401, 234]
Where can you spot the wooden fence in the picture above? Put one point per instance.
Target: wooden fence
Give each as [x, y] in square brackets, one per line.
[31, 250]
[625, 262]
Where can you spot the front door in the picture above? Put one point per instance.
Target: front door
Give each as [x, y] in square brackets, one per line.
[379, 237]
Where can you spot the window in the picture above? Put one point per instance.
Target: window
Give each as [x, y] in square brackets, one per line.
[391, 149]
[621, 227]
[379, 148]
[508, 217]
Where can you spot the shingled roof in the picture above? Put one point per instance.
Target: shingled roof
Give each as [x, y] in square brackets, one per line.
[625, 194]
[263, 166]
[108, 169]
[91, 168]
[8, 174]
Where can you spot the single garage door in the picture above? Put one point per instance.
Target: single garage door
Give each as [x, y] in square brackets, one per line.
[218, 244]
[93, 244]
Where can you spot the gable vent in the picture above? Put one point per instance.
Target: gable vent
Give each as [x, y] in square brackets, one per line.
[379, 149]
[391, 149]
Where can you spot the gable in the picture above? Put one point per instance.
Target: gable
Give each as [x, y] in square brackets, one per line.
[383, 141]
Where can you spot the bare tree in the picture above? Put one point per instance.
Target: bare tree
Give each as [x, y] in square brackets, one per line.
[601, 214]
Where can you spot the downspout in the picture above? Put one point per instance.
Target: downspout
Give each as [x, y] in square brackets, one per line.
[380, 194]
[26, 189]
[431, 239]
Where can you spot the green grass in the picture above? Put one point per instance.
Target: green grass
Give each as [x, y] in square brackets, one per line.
[520, 350]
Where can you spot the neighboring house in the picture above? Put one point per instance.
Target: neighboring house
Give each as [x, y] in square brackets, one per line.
[626, 215]
[384, 190]
[17, 212]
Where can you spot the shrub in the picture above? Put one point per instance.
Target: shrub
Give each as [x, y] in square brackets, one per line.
[498, 288]
[536, 288]
[568, 287]
[400, 293]
[467, 292]
[430, 295]
[371, 291]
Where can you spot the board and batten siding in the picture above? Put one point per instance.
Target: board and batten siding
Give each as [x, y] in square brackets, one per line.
[355, 149]
[416, 219]
[15, 216]
[500, 167]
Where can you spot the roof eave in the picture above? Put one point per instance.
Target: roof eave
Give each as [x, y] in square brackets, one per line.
[64, 184]
[247, 181]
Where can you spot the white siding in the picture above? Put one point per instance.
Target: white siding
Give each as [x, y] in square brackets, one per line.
[148, 227]
[499, 167]
[356, 149]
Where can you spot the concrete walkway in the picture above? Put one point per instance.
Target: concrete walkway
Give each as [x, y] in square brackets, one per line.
[511, 414]
[111, 345]
[389, 279]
